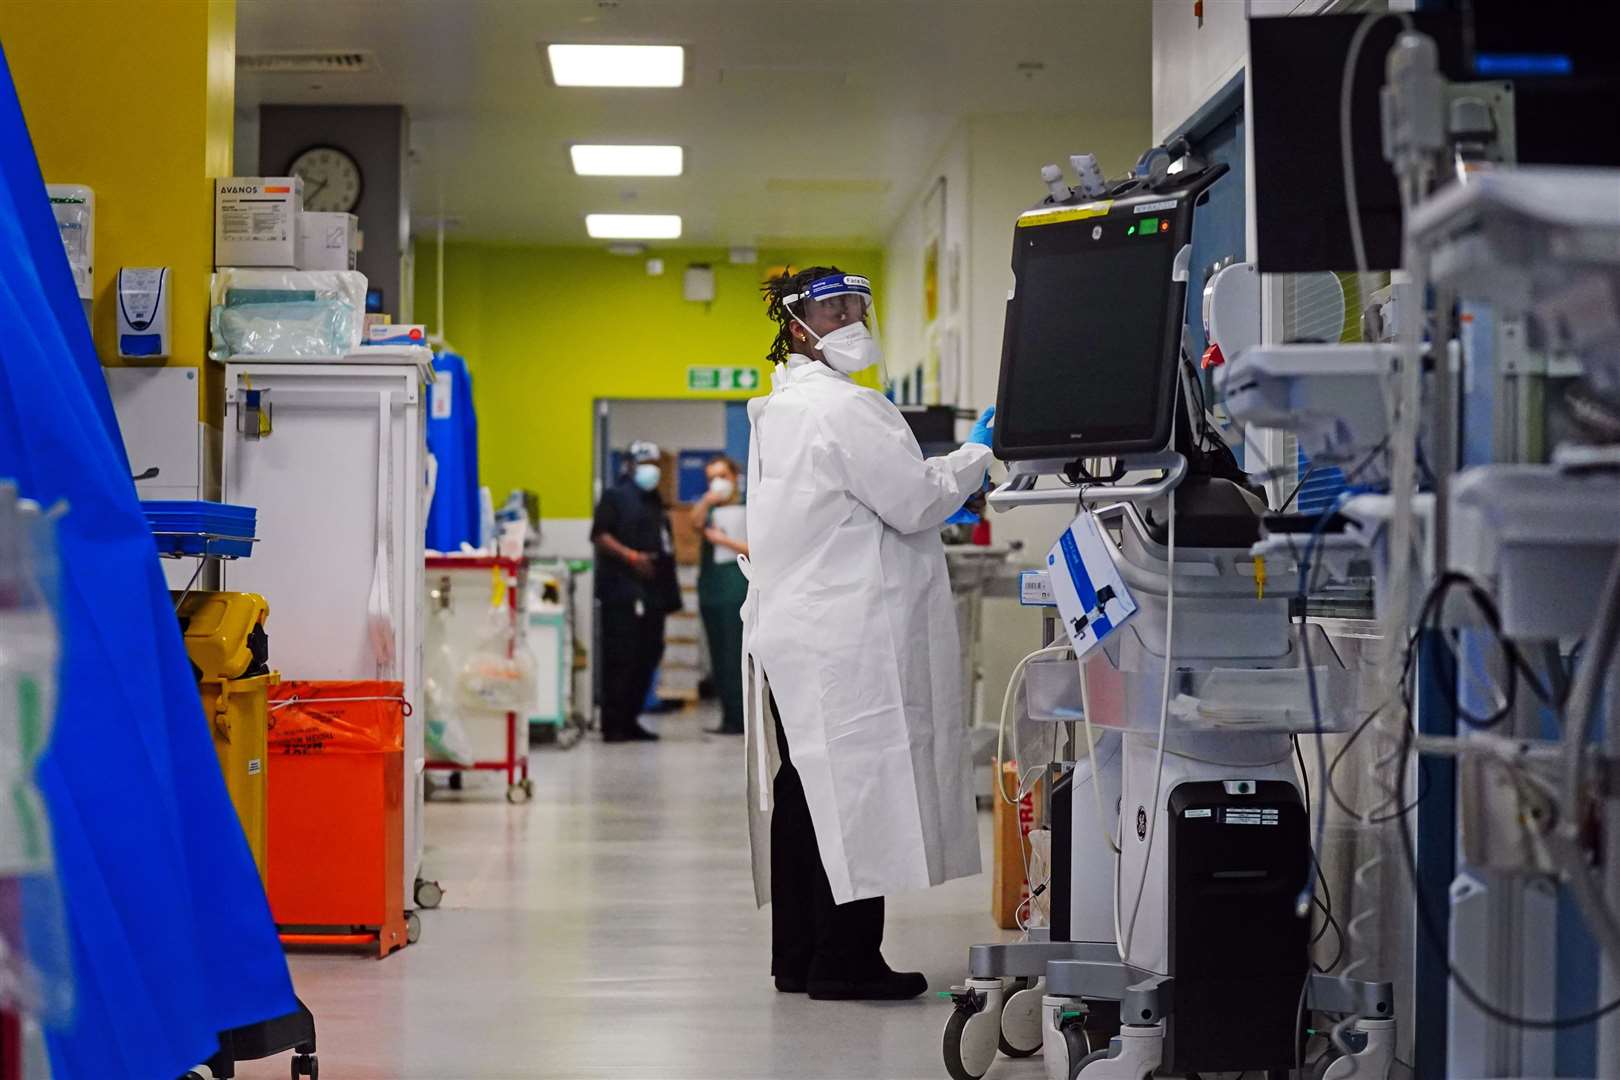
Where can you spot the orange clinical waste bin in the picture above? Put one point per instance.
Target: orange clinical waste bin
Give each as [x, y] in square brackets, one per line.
[337, 813]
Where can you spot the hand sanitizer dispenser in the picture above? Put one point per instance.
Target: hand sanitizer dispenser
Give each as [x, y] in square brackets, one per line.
[143, 312]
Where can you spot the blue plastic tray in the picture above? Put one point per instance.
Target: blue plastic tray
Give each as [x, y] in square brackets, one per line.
[201, 528]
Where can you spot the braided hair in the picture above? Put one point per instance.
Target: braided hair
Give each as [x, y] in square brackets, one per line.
[787, 283]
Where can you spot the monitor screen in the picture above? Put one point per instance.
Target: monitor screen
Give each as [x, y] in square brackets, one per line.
[1091, 340]
[1562, 63]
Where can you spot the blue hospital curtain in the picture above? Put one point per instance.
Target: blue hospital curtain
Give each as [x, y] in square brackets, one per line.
[171, 934]
[452, 438]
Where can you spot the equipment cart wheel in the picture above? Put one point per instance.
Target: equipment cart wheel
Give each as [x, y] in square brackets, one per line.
[429, 894]
[413, 928]
[1020, 1035]
[516, 794]
[528, 787]
[1084, 1058]
[306, 1065]
[972, 1032]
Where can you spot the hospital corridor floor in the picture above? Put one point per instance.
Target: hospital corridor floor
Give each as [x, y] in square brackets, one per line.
[608, 930]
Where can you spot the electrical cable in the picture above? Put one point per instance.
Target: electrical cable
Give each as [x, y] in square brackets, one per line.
[1124, 942]
[1091, 753]
[1431, 933]
[1013, 682]
[1347, 84]
[1310, 470]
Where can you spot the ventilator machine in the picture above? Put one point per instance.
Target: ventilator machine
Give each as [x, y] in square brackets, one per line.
[1224, 710]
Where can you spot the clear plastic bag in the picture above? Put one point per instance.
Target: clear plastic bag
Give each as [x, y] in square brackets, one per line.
[446, 735]
[498, 674]
[296, 331]
[36, 974]
[287, 314]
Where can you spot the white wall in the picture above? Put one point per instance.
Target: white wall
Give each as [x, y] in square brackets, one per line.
[900, 303]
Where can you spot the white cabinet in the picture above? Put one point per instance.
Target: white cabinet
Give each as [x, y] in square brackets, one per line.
[171, 453]
[340, 487]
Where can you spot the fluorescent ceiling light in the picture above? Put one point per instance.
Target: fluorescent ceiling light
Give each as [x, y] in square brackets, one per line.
[617, 65]
[627, 160]
[633, 226]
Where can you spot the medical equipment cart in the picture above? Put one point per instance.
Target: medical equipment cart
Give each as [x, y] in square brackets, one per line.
[512, 577]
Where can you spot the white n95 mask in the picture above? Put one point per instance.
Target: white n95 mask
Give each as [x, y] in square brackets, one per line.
[848, 349]
[721, 488]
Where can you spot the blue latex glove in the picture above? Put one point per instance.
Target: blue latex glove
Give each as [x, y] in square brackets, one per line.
[963, 516]
[981, 430]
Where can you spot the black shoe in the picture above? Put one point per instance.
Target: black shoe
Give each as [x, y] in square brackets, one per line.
[790, 984]
[615, 738]
[893, 986]
[640, 734]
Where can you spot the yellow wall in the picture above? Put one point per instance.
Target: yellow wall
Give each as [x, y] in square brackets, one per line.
[548, 331]
[136, 99]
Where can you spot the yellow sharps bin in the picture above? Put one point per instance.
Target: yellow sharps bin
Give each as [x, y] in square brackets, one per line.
[225, 638]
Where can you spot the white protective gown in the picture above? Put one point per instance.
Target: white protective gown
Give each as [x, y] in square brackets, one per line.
[850, 617]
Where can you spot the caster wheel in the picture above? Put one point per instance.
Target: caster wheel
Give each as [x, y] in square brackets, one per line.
[528, 789]
[306, 1065]
[1319, 1071]
[413, 929]
[1020, 1035]
[969, 1044]
[1081, 1062]
[429, 894]
[516, 794]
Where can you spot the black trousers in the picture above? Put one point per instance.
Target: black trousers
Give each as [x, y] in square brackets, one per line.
[812, 937]
[632, 646]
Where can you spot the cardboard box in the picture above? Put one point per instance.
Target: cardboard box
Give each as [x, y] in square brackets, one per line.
[688, 544]
[328, 241]
[256, 220]
[396, 334]
[1008, 885]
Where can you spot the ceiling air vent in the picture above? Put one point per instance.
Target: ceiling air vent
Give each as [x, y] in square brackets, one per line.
[308, 62]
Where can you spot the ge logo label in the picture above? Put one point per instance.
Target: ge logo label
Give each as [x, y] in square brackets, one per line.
[1096, 232]
[1141, 823]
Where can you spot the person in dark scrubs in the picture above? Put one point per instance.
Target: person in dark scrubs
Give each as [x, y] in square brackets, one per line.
[636, 589]
[718, 518]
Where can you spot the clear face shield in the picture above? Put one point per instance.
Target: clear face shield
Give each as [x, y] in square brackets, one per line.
[838, 313]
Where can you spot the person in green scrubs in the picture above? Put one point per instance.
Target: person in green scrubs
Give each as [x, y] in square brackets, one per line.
[718, 518]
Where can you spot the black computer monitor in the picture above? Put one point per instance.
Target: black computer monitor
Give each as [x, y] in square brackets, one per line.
[1093, 333]
[934, 427]
[1560, 56]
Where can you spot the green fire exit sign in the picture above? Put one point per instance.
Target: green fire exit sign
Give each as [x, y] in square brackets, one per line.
[722, 379]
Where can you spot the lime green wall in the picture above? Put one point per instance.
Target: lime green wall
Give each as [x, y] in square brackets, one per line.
[547, 331]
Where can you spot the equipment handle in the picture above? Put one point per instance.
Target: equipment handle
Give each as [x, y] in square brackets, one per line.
[1020, 490]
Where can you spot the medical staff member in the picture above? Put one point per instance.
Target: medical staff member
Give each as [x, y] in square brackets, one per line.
[854, 683]
[718, 518]
[636, 588]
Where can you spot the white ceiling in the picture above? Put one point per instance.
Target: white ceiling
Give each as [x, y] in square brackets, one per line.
[803, 120]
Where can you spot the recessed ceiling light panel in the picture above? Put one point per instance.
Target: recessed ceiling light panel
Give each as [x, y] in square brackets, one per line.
[633, 226]
[599, 160]
[617, 65]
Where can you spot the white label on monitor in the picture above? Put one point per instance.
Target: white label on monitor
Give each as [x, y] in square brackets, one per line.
[1148, 208]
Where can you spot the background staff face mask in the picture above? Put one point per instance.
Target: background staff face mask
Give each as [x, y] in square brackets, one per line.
[647, 476]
